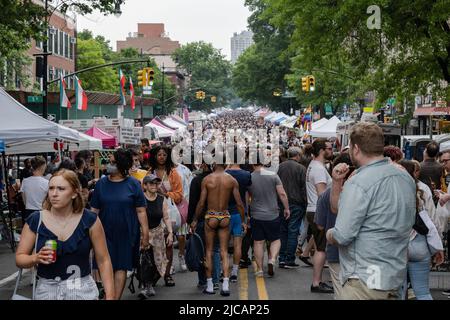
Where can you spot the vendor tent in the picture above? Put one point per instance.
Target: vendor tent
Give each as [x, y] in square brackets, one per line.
[174, 124]
[161, 130]
[326, 130]
[108, 141]
[47, 145]
[17, 123]
[270, 116]
[317, 124]
[178, 119]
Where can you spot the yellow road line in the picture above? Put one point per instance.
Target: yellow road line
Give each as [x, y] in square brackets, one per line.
[261, 286]
[243, 284]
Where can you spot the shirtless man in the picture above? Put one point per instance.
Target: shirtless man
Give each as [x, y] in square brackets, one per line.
[217, 189]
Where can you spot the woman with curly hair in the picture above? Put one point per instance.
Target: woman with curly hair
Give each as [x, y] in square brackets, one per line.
[120, 203]
[171, 186]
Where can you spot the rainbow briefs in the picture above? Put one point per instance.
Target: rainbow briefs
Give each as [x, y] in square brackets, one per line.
[219, 215]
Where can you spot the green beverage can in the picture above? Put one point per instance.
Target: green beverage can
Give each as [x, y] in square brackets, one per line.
[52, 244]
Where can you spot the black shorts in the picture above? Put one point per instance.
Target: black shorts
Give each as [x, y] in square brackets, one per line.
[265, 230]
[319, 235]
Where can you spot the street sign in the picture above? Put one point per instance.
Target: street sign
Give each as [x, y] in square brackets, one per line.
[328, 109]
[391, 101]
[34, 99]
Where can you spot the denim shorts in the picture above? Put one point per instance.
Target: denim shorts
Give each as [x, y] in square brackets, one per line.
[236, 225]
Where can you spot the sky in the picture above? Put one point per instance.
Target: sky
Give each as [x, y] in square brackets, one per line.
[185, 21]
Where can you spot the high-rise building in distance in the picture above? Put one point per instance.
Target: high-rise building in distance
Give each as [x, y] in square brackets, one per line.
[239, 43]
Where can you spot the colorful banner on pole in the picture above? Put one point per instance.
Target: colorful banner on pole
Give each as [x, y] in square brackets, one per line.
[132, 102]
[63, 99]
[80, 94]
[122, 81]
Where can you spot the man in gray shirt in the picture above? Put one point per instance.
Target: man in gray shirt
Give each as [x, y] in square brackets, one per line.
[376, 213]
[265, 220]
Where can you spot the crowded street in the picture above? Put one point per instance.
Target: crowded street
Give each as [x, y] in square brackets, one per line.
[238, 163]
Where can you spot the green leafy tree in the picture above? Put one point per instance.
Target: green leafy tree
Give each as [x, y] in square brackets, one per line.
[90, 54]
[209, 71]
[408, 54]
[21, 20]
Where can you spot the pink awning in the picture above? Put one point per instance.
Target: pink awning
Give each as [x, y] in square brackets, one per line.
[108, 141]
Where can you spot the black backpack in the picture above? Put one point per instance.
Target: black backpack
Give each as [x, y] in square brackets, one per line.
[195, 253]
[146, 271]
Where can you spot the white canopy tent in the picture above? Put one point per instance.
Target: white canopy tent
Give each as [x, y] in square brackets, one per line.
[289, 122]
[270, 116]
[279, 117]
[174, 124]
[47, 145]
[327, 130]
[317, 124]
[160, 131]
[19, 126]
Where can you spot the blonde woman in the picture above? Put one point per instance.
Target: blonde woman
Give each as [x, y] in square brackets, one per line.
[76, 231]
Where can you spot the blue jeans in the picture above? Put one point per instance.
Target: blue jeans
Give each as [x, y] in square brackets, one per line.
[216, 256]
[289, 231]
[419, 268]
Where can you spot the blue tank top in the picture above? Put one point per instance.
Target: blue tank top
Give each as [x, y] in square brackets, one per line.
[72, 255]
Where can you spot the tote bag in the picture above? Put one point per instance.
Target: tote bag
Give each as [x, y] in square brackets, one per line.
[16, 296]
[174, 214]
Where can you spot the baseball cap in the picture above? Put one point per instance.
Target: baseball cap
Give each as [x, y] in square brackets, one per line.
[151, 178]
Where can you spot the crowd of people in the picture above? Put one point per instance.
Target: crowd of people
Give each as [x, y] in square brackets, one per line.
[370, 218]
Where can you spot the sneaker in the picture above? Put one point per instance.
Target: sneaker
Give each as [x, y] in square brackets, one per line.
[146, 293]
[291, 265]
[201, 286]
[183, 266]
[244, 264]
[282, 265]
[225, 293]
[446, 292]
[233, 278]
[205, 291]
[270, 271]
[322, 288]
[151, 291]
[306, 261]
[216, 286]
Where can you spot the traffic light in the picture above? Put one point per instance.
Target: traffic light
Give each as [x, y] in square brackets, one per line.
[311, 83]
[203, 95]
[198, 95]
[150, 76]
[142, 78]
[305, 86]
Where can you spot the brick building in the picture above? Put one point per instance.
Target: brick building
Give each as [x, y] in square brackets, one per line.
[152, 39]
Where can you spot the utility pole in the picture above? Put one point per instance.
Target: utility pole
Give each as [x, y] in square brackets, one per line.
[162, 90]
[45, 64]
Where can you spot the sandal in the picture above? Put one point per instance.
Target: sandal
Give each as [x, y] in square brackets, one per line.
[169, 281]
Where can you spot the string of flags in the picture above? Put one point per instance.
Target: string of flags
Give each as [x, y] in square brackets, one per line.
[81, 100]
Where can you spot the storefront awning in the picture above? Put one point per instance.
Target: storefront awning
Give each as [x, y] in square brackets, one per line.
[436, 111]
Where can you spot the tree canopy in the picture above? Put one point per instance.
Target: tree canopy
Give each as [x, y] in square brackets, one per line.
[209, 71]
[349, 48]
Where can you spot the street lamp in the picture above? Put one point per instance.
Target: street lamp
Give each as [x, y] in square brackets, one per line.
[117, 11]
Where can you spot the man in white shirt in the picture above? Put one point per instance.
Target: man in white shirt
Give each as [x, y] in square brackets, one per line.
[317, 181]
[34, 189]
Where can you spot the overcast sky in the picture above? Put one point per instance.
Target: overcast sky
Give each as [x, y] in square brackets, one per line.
[185, 21]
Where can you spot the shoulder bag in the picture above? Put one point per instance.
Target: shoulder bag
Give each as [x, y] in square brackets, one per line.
[16, 296]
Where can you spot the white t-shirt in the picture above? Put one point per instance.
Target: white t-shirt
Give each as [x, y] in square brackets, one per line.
[35, 190]
[315, 174]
